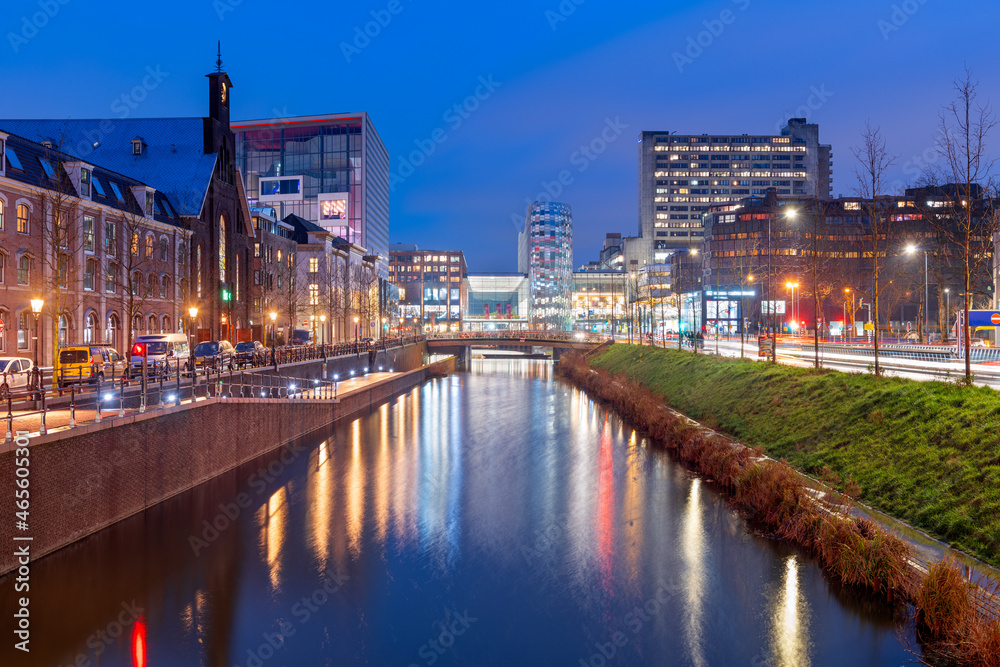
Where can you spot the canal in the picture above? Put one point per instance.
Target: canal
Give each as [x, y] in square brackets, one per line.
[498, 517]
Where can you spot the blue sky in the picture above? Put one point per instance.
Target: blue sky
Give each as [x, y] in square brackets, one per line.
[561, 74]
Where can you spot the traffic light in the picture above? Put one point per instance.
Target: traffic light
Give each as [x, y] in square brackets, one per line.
[226, 294]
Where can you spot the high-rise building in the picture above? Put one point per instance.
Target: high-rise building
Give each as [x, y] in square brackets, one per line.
[545, 254]
[332, 170]
[680, 176]
[431, 287]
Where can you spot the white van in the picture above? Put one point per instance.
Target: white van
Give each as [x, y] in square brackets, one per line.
[168, 351]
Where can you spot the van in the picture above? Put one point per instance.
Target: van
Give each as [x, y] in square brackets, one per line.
[164, 351]
[300, 337]
[87, 363]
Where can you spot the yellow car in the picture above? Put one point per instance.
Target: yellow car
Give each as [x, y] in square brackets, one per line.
[85, 363]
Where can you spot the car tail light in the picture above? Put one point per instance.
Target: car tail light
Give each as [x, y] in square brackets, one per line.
[139, 350]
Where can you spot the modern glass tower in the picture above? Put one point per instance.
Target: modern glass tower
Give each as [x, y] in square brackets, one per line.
[545, 255]
[332, 170]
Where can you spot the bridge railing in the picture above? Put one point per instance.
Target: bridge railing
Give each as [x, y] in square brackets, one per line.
[522, 336]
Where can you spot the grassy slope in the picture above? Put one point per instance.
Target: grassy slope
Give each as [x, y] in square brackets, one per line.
[926, 452]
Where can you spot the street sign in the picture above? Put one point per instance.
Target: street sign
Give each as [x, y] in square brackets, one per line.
[1, 326]
[869, 326]
[984, 318]
[765, 346]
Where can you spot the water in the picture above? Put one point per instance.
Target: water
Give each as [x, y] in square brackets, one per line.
[492, 518]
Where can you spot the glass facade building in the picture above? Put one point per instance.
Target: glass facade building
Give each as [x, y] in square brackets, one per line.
[599, 301]
[496, 303]
[332, 170]
[545, 254]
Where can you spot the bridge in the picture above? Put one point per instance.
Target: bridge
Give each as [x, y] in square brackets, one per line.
[460, 343]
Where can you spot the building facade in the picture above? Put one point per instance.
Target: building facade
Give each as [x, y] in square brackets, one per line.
[599, 301]
[680, 176]
[432, 287]
[496, 302]
[191, 161]
[106, 254]
[332, 170]
[545, 255]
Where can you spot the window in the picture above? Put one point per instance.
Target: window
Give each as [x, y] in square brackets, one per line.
[149, 246]
[256, 250]
[165, 326]
[5, 317]
[98, 188]
[90, 329]
[24, 270]
[150, 285]
[85, 182]
[222, 248]
[164, 286]
[134, 244]
[89, 274]
[313, 295]
[137, 147]
[63, 329]
[153, 324]
[114, 188]
[110, 240]
[47, 167]
[22, 331]
[149, 204]
[22, 218]
[63, 270]
[163, 250]
[197, 268]
[136, 286]
[236, 277]
[3, 266]
[88, 233]
[279, 256]
[313, 265]
[12, 160]
[1, 214]
[110, 280]
[111, 334]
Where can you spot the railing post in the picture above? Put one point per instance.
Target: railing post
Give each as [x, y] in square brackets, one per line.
[41, 390]
[177, 394]
[163, 371]
[121, 398]
[9, 433]
[72, 407]
[97, 403]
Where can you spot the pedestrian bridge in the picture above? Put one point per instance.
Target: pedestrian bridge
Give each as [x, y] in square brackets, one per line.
[558, 340]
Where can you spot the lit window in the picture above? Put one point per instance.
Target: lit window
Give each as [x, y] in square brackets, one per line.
[149, 246]
[22, 219]
[85, 182]
[88, 233]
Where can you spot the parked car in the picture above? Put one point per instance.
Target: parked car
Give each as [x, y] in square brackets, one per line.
[300, 337]
[979, 342]
[87, 363]
[216, 354]
[167, 352]
[17, 378]
[250, 352]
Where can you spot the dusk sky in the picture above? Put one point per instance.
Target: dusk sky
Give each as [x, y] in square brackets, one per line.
[560, 73]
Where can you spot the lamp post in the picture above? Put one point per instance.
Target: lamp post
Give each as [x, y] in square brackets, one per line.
[356, 320]
[322, 322]
[910, 250]
[274, 318]
[36, 309]
[947, 310]
[193, 313]
[383, 328]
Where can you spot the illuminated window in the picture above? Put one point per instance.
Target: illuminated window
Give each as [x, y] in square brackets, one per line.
[222, 248]
[22, 219]
[149, 246]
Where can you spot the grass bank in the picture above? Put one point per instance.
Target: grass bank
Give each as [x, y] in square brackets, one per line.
[925, 452]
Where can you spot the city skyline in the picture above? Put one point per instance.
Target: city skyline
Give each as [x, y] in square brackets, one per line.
[529, 110]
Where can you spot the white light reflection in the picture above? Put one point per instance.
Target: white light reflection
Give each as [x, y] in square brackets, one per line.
[693, 554]
[789, 622]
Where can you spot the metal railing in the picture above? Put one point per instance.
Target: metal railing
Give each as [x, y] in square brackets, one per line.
[522, 336]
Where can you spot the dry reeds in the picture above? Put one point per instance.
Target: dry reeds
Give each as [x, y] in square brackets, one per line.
[855, 551]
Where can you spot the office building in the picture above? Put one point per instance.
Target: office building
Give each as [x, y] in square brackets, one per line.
[680, 176]
[431, 287]
[545, 255]
[496, 302]
[332, 170]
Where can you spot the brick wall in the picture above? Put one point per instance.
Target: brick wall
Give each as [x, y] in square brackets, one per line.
[85, 479]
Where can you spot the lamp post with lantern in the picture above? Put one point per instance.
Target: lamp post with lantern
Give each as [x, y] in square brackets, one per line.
[193, 312]
[356, 320]
[36, 310]
[274, 317]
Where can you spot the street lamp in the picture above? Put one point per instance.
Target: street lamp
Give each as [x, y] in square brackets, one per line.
[356, 320]
[274, 317]
[847, 292]
[910, 250]
[193, 313]
[322, 321]
[947, 309]
[383, 328]
[36, 309]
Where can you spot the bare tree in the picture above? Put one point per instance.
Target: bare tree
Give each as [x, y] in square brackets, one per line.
[874, 162]
[818, 270]
[968, 222]
[287, 296]
[133, 259]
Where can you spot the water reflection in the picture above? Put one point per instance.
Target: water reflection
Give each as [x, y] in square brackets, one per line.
[502, 493]
[790, 621]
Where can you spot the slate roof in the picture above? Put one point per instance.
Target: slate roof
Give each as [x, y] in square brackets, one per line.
[173, 161]
[29, 154]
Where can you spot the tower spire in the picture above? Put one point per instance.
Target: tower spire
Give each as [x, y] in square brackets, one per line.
[218, 62]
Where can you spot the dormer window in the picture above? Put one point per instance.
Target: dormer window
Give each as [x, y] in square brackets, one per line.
[84, 182]
[47, 166]
[149, 204]
[138, 146]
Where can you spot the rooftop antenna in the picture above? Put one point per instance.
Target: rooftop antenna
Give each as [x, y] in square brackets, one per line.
[218, 62]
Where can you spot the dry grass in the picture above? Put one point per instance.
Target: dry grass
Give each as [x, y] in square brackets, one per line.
[857, 552]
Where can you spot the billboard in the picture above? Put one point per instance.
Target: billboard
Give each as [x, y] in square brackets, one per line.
[280, 188]
[332, 209]
[772, 307]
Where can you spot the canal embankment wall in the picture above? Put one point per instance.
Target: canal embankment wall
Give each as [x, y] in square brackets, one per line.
[84, 479]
